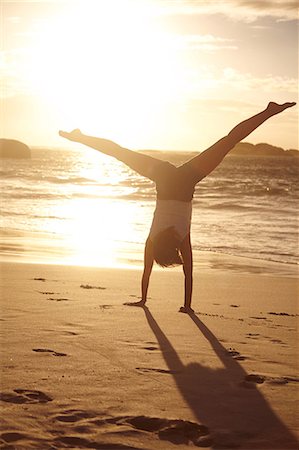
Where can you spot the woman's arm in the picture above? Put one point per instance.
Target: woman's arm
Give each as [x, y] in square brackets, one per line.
[208, 160]
[147, 270]
[186, 252]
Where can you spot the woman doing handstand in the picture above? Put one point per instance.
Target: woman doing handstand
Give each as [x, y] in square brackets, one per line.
[169, 242]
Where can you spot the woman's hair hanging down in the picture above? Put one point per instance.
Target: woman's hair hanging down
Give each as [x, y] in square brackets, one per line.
[166, 248]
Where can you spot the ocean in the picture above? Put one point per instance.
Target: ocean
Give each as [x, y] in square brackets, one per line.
[82, 208]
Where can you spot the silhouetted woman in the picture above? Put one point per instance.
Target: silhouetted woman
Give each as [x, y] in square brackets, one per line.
[169, 242]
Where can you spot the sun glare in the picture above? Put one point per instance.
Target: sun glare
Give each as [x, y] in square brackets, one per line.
[95, 238]
[106, 66]
[99, 227]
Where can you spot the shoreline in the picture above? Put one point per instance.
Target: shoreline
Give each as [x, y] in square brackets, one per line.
[203, 260]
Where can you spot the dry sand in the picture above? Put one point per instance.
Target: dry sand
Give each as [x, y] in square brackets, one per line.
[81, 370]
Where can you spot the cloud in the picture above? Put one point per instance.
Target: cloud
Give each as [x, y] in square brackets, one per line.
[245, 10]
[206, 42]
[10, 79]
[228, 83]
[268, 83]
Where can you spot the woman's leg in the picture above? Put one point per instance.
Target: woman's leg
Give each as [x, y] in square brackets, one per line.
[208, 160]
[143, 164]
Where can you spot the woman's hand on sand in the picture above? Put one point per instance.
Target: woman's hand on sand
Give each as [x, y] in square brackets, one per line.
[186, 310]
[274, 108]
[141, 303]
[74, 135]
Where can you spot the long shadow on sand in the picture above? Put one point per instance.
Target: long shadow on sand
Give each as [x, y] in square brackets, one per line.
[235, 412]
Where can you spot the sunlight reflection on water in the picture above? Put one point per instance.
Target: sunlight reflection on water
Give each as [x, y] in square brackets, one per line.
[97, 228]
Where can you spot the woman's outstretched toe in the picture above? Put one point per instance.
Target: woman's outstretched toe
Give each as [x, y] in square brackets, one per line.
[276, 108]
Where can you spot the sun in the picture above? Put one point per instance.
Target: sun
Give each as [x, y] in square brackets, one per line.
[106, 66]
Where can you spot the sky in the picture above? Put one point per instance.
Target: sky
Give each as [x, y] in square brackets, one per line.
[148, 74]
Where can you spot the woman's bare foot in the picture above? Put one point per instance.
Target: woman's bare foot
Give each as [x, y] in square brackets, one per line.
[140, 303]
[186, 310]
[275, 108]
[74, 135]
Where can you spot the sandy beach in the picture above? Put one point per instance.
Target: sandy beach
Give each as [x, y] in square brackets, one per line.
[82, 370]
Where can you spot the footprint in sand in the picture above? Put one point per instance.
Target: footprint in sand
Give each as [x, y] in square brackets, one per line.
[176, 431]
[43, 279]
[151, 349]
[235, 355]
[258, 318]
[281, 380]
[253, 379]
[11, 437]
[103, 307]
[79, 421]
[25, 396]
[150, 346]
[150, 369]
[52, 299]
[47, 350]
[252, 335]
[173, 430]
[74, 415]
[277, 341]
[282, 314]
[47, 293]
[88, 286]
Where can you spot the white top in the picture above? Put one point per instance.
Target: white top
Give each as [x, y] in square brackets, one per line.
[172, 213]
